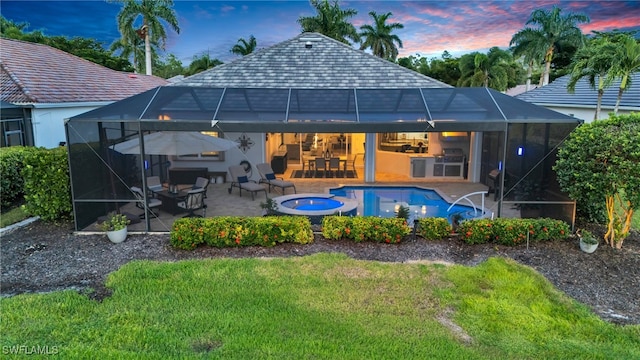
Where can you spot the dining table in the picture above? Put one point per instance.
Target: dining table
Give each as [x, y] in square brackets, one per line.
[311, 165]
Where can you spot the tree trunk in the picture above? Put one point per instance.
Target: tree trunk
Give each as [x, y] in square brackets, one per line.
[147, 50]
[547, 69]
[598, 104]
[529, 72]
[547, 65]
[623, 85]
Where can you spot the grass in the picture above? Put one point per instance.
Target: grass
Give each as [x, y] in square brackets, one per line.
[12, 216]
[325, 306]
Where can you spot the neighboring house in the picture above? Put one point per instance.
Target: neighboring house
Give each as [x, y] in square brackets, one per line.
[42, 86]
[582, 103]
[519, 89]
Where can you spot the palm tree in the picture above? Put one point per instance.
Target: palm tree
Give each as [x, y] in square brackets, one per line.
[244, 47]
[626, 62]
[593, 62]
[378, 37]
[152, 29]
[202, 63]
[488, 70]
[553, 30]
[532, 51]
[331, 21]
[128, 49]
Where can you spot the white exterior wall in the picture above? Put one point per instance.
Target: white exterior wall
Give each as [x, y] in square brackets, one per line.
[48, 122]
[255, 155]
[585, 114]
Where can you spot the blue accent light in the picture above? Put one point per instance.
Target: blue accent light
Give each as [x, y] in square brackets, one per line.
[146, 164]
[500, 165]
[520, 151]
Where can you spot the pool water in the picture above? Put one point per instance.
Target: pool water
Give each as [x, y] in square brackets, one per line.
[312, 203]
[384, 201]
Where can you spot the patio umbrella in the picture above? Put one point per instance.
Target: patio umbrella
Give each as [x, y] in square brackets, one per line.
[175, 143]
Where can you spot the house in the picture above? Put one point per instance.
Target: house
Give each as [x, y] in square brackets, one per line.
[312, 96]
[42, 86]
[582, 103]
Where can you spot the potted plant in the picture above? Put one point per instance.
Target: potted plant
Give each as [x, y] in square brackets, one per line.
[115, 226]
[588, 241]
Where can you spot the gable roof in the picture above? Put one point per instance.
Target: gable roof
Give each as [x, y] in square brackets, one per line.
[37, 73]
[556, 94]
[311, 61]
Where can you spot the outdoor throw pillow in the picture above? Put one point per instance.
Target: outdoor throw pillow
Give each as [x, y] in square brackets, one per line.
[242, 179]
[270, 176]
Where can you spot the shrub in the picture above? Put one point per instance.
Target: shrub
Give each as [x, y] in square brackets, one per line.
[434, 228]
[46, 183]
[598, 166]
[231, 231]
[365, 228]
[548, 229]
[476, 231]
[512, 231]
[11, 179]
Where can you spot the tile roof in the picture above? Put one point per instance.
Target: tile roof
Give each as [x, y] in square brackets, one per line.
[556, 94]
[36, 73]
[326, 64]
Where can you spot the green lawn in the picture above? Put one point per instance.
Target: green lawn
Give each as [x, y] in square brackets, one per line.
[12, 216]
[325, 306]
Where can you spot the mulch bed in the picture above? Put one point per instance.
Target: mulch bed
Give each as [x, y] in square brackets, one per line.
[44, 257]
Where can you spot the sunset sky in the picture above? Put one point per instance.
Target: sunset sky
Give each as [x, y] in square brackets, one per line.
[430, 27]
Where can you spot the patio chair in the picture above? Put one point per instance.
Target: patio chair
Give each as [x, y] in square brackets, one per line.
[267, 176]
[194, 201]
[201, 183]
[239, 179]
[334, 164]
[320, 165]
[154, 185]
[151, 202]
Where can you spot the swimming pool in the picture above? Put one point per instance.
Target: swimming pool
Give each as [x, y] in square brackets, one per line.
[384, 201]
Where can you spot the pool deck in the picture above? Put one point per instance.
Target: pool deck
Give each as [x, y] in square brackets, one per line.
[221, 203]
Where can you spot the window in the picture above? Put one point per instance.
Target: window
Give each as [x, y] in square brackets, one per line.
[415, 142]
[210, 156]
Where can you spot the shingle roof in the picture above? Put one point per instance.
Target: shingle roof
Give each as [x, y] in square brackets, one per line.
[326, 64]
[556, 94]
[36, 73]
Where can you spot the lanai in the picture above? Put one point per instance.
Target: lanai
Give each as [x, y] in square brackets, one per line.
[310, 84]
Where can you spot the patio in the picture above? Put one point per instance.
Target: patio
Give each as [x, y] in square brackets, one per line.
[221, 203]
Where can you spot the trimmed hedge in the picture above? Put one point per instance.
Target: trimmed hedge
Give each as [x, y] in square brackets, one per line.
[433, 228]
[512, 231]
[46, 183]
[365, 228]
[11, 177]
[233, 231]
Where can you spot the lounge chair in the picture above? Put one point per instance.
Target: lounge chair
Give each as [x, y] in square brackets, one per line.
[267, 176]
[239, 179]
[194, 201]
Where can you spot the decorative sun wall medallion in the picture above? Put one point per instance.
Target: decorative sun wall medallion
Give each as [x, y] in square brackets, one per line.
[245, 143]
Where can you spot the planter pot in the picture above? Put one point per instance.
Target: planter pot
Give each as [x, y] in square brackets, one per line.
[588, 248]
[117, 236]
